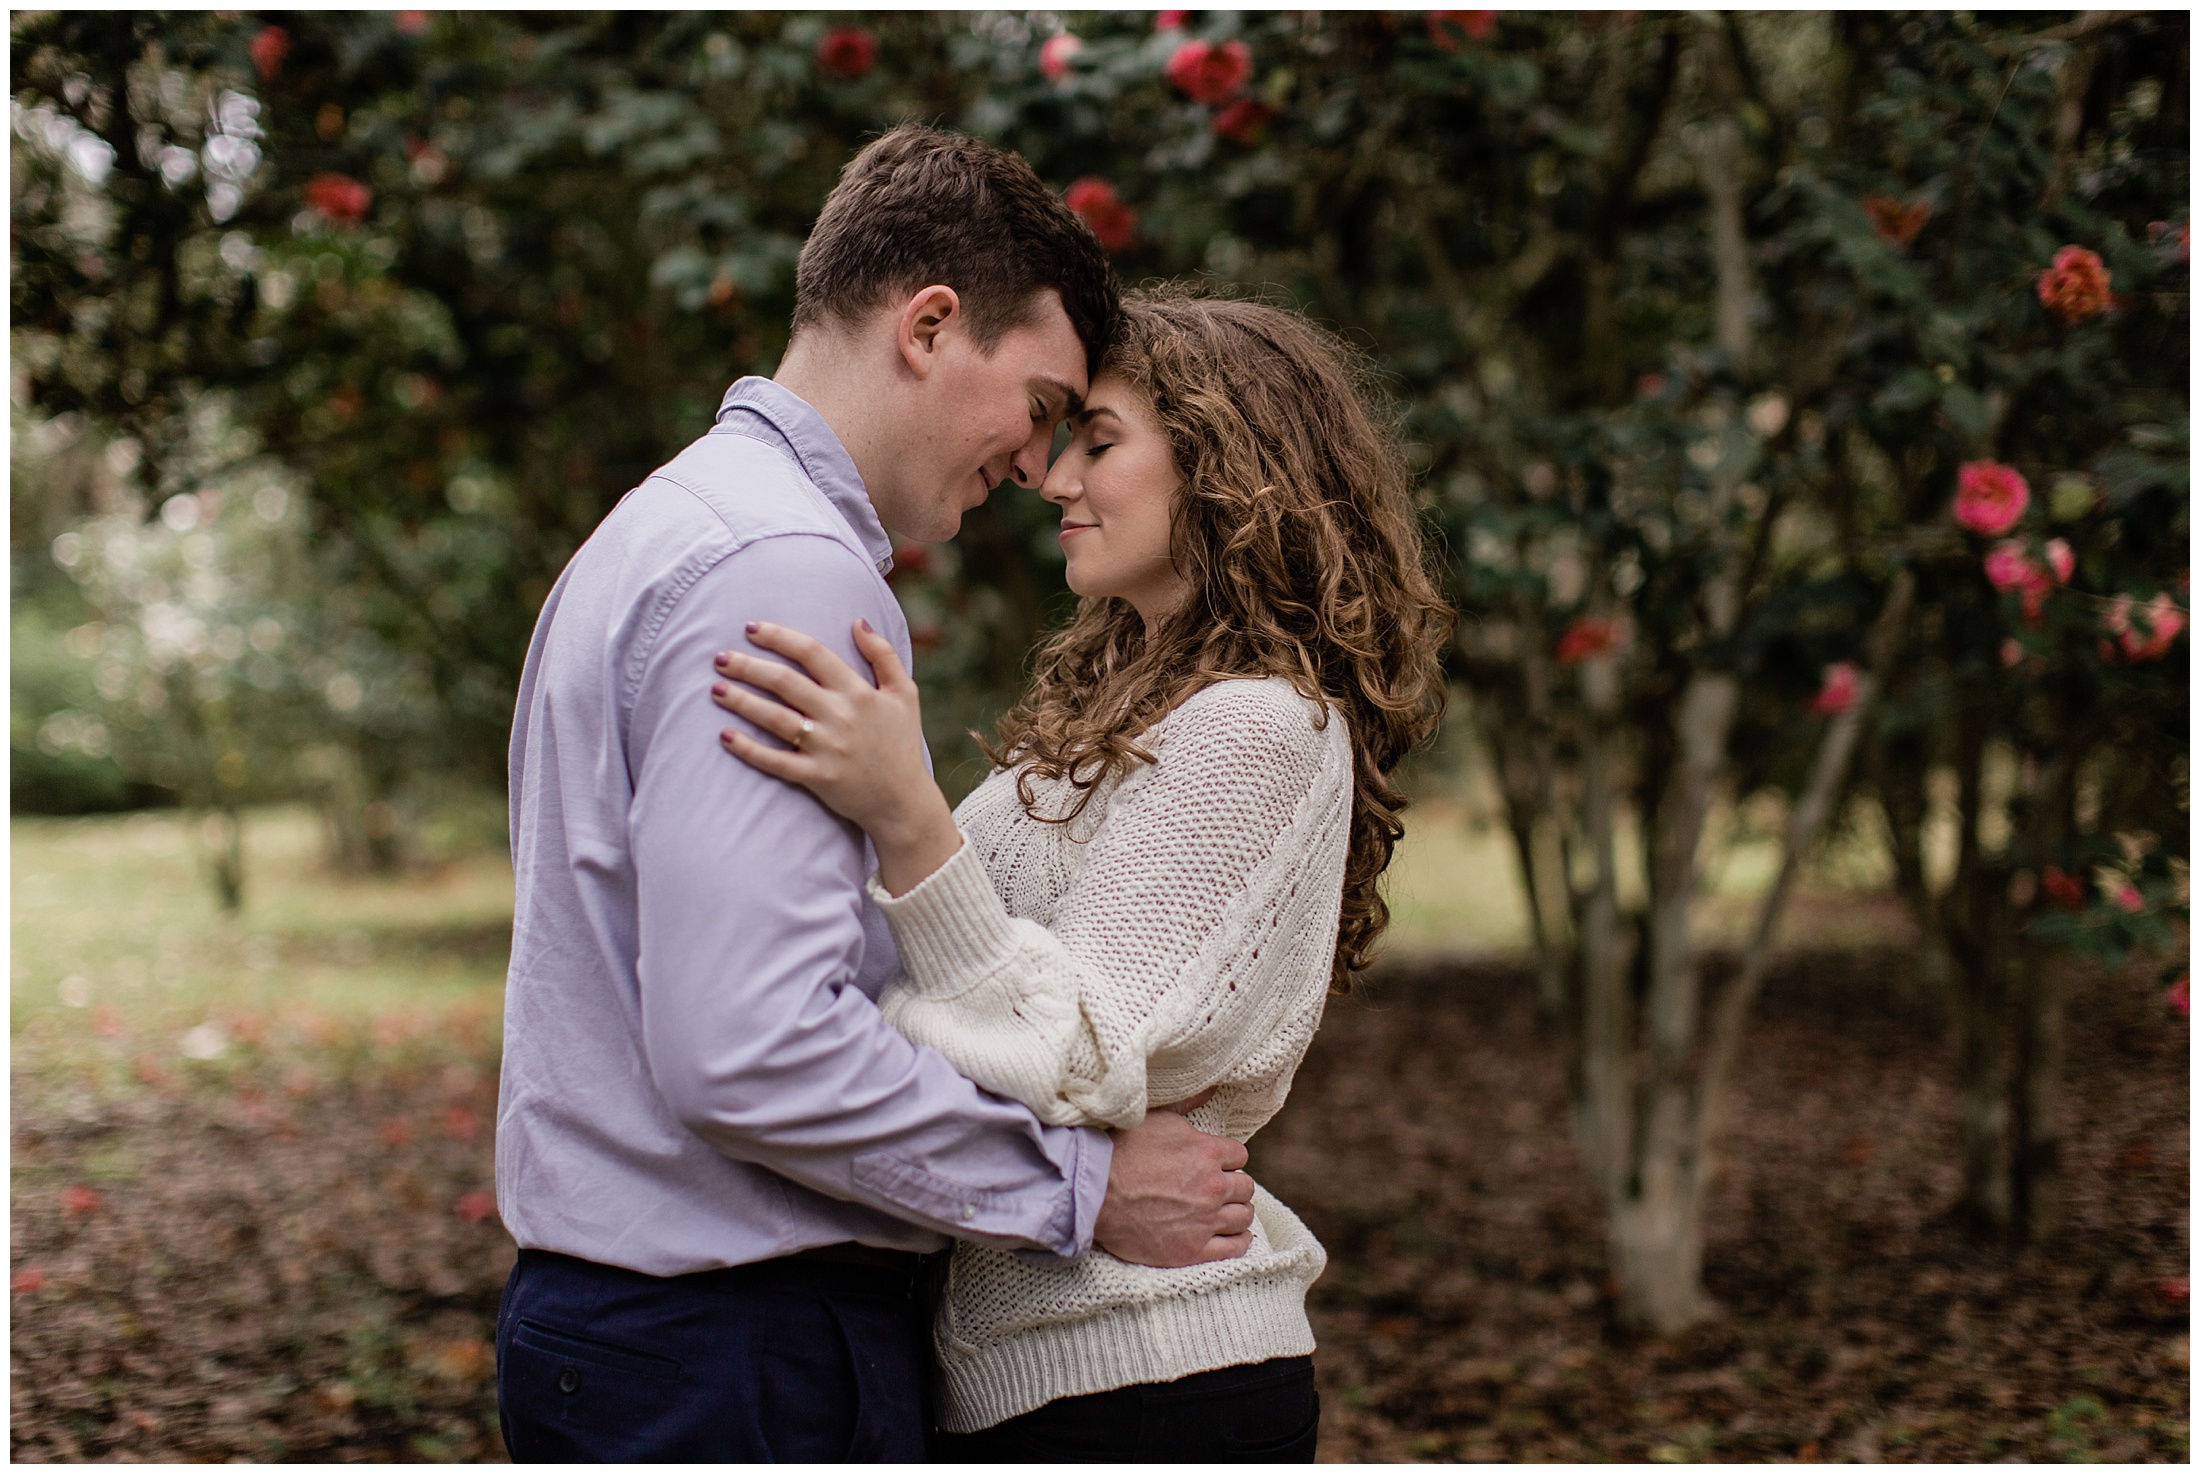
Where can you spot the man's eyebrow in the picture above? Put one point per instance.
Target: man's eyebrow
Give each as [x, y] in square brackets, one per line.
[1073, 402]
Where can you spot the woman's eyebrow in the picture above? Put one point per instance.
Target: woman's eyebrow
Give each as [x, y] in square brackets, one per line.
[1092, 412]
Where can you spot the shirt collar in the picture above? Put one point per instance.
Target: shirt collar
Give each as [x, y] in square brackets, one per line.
[823, 458]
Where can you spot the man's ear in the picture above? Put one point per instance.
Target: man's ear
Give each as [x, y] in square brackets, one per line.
[926, 321]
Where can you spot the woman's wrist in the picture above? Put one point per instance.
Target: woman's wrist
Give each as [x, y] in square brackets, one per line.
[915, 845]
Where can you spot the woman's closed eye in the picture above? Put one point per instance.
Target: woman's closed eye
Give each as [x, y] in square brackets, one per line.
[1093, 451]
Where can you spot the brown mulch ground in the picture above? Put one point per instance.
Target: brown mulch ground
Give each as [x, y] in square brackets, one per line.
[1466, 1312]
[290, 1257]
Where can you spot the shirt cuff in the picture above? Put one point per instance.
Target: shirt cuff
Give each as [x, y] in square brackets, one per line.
[951, 928]
[1093, 1154]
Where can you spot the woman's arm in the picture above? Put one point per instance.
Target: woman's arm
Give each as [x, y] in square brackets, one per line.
[1193, 947]
[1194, 944]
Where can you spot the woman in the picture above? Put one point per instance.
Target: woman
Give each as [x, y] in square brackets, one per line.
[1174, 861]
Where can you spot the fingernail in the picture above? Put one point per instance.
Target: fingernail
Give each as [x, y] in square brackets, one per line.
[719, 688]
[752, 627]
[723, 657]
[866, 624]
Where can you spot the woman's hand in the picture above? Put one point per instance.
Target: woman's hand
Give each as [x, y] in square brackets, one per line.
[859, 748]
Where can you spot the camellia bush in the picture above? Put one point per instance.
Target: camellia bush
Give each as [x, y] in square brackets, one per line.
[1800, 400]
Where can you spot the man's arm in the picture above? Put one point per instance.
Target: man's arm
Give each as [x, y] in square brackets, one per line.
[750, 911]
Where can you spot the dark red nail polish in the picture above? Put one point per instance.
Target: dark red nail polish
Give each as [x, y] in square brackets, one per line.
[867, 626]
[719, 688]
[752, 626]
[723, 657]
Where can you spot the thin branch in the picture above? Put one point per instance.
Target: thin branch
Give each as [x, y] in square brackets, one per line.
[1808, 817]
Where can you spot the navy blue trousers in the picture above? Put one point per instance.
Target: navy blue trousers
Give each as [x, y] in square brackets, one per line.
[790, 1361]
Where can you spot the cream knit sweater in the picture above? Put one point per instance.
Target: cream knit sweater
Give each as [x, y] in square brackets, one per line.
[1177, 935]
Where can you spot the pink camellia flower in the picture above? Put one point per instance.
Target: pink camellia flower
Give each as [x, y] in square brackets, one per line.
[28, 1280]
[2179, 995]
[2128, 899]
[1054, 55]
[1585, 639]
[2061, 559]
[1838, 694]
[1171, 20]
[846, 53]
[1990, 497]
[474, 1207]
[2012, 653]
[413, 22]
[269, 48]
[1244, 121]
[2076, 286]
[2007, 567]
[79, 1199]
[1113, 221]
[1445, 26]
[340, 197]
[1210, 74]
[2164, 622]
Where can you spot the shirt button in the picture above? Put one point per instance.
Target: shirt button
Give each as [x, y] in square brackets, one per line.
[969, 1212]
[569, 1379]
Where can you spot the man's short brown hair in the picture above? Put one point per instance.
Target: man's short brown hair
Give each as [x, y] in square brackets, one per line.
[923, 205]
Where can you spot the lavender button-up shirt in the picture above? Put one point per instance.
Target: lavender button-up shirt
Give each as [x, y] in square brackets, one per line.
[695, 1070]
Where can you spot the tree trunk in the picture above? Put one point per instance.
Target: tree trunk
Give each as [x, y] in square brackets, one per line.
[221, 846]
[2035, 1106]
[1981, 955]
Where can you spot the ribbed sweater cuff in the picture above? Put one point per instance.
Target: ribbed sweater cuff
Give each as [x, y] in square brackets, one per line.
[951, 928]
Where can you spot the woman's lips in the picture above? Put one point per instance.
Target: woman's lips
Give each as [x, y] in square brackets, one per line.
[1071, 528]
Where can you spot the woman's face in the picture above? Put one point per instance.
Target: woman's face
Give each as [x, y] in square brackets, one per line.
[1116, 484]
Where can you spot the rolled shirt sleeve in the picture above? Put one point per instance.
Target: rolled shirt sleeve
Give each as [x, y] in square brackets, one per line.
[751, 928]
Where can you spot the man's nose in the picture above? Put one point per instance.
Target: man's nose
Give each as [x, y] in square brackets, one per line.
[1029, 463]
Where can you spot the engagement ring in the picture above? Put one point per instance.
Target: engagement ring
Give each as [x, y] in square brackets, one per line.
[802, 733]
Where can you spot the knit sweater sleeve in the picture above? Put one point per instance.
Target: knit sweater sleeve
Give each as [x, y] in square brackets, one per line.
[1191, 949]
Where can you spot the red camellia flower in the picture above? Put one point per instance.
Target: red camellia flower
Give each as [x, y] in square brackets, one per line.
[339, 196]
[79, 1199]
[475, 1206]
[2177, 1293]
[1244, 121]
[1895, 222]
[1054, 55]
[847, 52]
[1445, 26]
[2012, 653]
[412, 22]
[29, 1280]
[2179, 996]
[2063, 889]
[2076, 286]
[1838, 694]
[1113, 221]
[269, 48]
[1585, 639]
[1990, 497]
[1210, 74]
[1171, 20]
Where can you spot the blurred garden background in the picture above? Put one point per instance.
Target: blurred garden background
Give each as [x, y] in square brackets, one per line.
[1783, 1052]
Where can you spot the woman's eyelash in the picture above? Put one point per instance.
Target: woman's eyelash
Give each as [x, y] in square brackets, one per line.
[1094, 450]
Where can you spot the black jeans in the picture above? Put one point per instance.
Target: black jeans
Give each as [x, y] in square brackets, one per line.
[789, 1361]
[1267, 1412]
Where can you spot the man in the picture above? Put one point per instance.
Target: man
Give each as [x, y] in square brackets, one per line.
[721, 1166]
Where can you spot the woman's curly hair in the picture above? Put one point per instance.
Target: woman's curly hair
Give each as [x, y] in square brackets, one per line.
[1296, 535]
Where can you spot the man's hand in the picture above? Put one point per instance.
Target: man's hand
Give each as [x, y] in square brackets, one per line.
[1176, 1195]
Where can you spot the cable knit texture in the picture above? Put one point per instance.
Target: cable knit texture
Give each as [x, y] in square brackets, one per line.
[1176, 935]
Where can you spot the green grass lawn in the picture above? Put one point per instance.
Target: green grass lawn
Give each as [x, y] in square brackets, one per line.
[124, 968]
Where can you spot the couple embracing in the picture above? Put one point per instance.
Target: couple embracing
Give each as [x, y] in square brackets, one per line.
[837, 1125]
